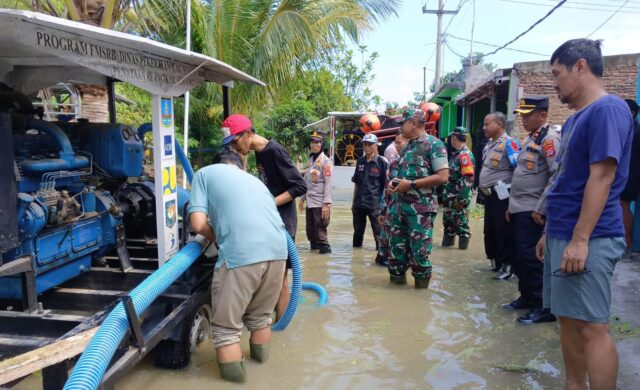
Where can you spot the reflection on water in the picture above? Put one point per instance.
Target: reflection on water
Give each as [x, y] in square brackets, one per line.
[372, 335]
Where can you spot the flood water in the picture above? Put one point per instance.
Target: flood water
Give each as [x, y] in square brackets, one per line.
[372, 335]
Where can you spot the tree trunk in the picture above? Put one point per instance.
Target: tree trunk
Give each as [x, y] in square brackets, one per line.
[95, 102]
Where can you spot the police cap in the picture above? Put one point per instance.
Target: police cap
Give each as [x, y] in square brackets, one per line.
[316, 136]
[530, 103]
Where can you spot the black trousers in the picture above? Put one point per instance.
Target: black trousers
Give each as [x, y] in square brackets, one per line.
[360, 216]
[317, 227]
[498, 234]
[526, 266]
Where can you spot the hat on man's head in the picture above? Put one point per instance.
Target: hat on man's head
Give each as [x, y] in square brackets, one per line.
[317, 137]
[530, 103]
[234, 125]
[461, 133]
[412, 113]
[370, 139]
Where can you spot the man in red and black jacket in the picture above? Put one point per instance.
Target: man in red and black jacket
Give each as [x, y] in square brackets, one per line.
[370, 179]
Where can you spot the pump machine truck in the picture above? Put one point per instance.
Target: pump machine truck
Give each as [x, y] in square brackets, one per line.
[80, 223]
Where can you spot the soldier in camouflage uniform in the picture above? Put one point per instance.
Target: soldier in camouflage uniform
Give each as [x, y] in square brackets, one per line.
[422, 167]
[387, 203]
[457, 192]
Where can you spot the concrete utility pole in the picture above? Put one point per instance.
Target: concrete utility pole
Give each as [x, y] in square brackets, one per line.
[440, 12]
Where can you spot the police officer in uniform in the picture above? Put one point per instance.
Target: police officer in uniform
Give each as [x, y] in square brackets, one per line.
[499, 158]
[457, 192]
[370, 179]
[536, 166]
[319, 193]
[422, 166]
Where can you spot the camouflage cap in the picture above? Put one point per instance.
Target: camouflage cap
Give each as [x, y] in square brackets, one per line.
[461, 133]
[461, 130]
[412, 113]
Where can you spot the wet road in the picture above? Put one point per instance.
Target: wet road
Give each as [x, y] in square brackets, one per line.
[372, 335]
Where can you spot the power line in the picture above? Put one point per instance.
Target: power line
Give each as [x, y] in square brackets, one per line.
[608, 19]
[567, 6]
[492, 45]
[460, 4]
[446, 43]
[552, 10]
[598, 3]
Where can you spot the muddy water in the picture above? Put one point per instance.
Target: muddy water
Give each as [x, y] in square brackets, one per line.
[372, 335]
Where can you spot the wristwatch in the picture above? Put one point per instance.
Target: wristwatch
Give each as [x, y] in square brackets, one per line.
[414, 185]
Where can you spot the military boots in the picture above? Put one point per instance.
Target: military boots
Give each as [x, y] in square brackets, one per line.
[448, 240]
[463, 242]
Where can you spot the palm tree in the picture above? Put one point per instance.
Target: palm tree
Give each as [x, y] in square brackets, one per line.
[273, 40]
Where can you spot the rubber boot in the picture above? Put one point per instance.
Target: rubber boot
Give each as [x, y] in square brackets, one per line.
[422, 282]
[398, 279]
[463, 242]
[448, 240]
[233, 371]
[323, 249]
[259, 352]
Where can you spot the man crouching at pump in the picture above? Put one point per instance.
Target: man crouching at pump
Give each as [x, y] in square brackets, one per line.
[235, 209]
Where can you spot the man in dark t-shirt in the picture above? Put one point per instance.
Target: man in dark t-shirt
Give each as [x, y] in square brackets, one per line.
[276, 171]
[584, 232]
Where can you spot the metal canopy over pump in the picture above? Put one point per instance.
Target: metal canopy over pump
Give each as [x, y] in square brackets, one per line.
[41, 50]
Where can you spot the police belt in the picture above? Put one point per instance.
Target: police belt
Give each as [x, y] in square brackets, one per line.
[487, 190]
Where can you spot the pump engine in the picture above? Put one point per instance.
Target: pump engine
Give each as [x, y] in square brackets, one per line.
[75, 186]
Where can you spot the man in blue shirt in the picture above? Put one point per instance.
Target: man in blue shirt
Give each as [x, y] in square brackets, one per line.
[237, 211]
[585, 236]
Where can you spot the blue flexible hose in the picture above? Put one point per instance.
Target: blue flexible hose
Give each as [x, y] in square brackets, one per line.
[182, 156]
[322, 292]
[296, 270]
[88, 372]
[184, 161]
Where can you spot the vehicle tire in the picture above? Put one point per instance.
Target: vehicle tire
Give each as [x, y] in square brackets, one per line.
[195, 329]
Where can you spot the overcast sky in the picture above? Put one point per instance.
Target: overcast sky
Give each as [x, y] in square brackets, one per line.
[407, 43]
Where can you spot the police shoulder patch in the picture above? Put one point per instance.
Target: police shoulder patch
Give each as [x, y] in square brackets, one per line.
[327, 170]
[549, 148]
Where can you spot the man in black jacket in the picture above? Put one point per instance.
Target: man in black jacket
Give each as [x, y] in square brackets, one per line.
[277, 172]
[370, 179]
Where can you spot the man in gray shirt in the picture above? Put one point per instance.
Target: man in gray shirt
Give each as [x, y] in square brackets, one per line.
[499, 157]
[532, 175]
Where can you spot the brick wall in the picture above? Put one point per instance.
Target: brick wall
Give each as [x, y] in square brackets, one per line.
[620, 78]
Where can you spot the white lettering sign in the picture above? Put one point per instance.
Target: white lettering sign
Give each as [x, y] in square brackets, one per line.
[152, 73]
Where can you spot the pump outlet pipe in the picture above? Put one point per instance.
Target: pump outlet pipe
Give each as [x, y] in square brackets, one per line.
[88, 372]
[319, 289]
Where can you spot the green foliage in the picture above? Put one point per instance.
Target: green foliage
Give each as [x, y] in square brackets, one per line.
[356, 79]
[133, 114]
[323, 90]
[285, 123]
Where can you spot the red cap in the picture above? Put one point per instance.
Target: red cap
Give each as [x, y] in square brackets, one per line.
[234, 125]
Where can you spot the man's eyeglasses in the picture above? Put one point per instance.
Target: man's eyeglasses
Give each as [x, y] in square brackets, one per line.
[561, 274]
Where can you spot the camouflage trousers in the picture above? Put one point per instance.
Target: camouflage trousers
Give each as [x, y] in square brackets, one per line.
[410, 235]
[456, 222]
[384, 251]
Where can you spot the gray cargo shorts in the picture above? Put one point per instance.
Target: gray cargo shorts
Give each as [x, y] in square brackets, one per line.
[246, 296]
[585, 296]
